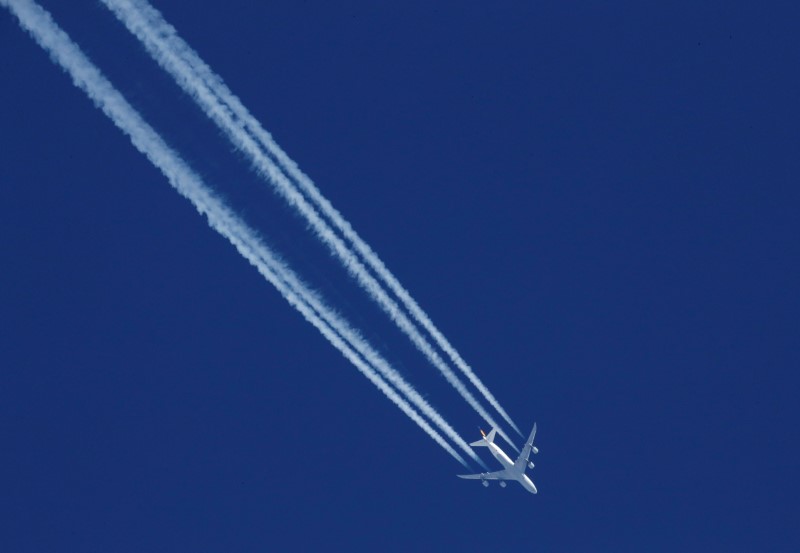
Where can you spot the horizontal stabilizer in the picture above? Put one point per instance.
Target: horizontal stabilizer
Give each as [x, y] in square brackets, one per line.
[486, 440]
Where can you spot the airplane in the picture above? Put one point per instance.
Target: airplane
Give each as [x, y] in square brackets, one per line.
[513, 470]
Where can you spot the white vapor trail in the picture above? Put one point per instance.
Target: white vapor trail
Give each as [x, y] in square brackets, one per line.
[65, 53]
[162, 42]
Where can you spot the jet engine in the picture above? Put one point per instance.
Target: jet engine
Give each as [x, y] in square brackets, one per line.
[502, 484]
[485, 483]
[530, 464]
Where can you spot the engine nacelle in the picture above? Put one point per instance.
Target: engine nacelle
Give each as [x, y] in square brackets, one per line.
[502, 484]
[530, 464]
[485, 483]
[535, 449]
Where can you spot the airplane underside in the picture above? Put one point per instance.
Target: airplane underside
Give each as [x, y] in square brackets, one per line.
[513, 470]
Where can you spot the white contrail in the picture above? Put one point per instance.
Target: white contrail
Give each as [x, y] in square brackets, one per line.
[362, 347]
[208, 90]
[352, 338]
[87, 77]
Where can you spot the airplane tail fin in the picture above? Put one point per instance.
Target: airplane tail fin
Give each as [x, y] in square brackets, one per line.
[486, 440]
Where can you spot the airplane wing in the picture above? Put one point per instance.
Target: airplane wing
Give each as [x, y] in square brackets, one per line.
[522, 460]
[497, 475]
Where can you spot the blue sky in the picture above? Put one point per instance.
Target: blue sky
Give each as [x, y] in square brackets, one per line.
[596, 204]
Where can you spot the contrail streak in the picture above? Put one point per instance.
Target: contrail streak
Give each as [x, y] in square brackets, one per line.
[162, 42]
[65, 53]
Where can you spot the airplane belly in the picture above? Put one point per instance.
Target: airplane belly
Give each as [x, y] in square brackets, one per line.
[502, 457]
[528, 485]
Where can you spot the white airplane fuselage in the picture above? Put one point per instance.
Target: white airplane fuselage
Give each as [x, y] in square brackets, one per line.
[507, 463]
[501, 456]
[512, 470]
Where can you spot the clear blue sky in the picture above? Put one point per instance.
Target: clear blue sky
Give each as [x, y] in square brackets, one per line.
[597, 204]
